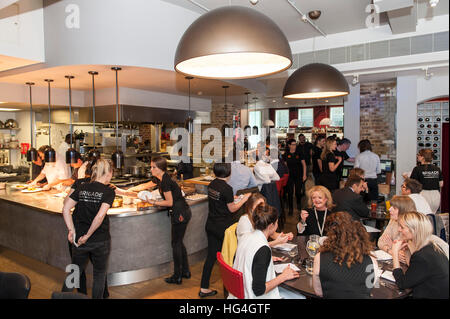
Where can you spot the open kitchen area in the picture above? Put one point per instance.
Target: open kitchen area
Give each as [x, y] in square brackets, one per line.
[186, 149]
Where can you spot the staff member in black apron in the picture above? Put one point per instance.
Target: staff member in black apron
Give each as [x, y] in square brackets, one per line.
[297, 174]
[180, 214]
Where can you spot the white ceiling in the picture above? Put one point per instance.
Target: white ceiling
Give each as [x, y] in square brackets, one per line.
[337, 15]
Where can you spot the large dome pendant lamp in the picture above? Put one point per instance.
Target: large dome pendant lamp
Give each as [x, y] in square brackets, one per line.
[94, 154]
[233, 42]
[32, 152]
[117, 157]
[315, 81]
[189, 122]
[49, 154]
[255, 130]
[247, 128]
[71, 153]
[226, 127]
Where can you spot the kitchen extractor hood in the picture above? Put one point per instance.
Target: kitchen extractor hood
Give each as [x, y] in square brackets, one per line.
[127, 113]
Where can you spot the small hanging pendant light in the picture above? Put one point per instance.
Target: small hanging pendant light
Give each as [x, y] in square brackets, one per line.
[255, 130]
[233, 42]
[314, 81]
[32, 152]
[247, 128]
[117, 157]
[50, 153]
[71, 152]
[225, 127]
[94, 154]
[189, 122]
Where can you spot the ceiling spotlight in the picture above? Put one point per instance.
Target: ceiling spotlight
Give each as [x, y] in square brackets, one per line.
[304, 18]
[355, 79]
[433, 3]
[315, 14]
[254, 2]
[428, 75]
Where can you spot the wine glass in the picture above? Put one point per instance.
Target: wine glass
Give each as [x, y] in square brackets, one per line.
[293, 253]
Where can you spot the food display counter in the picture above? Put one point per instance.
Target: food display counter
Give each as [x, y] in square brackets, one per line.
[32, 224]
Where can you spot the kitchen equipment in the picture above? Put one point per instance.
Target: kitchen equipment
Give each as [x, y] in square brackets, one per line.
[2, 125]
[10, 123]
[137, 171]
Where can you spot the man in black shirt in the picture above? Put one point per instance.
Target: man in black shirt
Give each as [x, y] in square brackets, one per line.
[341, 150]
[304, 149]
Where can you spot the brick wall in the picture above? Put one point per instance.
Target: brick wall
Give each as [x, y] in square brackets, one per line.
[377, 117]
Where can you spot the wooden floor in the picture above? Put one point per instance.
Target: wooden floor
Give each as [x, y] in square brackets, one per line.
[45, 279]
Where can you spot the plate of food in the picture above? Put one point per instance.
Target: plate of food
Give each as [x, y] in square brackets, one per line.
[196, 197]
[20, 186]
[32, 189]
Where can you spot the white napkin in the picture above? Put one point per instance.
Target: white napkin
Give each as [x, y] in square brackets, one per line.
[382, 255]
[285, 246]
[388, 275]
[279, 268]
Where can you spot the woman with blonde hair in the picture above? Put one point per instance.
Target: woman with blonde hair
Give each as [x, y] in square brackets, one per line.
[330, 164]
[89, 224]
[320, 204]
[427, 274]
[399, 204]
[344, 262]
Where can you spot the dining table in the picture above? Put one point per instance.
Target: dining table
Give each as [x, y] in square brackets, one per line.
[383, 289]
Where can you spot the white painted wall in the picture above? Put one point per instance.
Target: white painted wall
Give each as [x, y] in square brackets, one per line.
[436, 86]
[352, 119]
[22, 30]
[406, 120]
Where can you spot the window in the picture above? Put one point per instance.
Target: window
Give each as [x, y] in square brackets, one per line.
[337, 116]
[281, 118]
[306, 116]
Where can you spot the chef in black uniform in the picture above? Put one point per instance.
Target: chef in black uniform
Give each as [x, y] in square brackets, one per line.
[297, 174]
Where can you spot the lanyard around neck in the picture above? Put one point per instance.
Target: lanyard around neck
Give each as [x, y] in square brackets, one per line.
[323, 223]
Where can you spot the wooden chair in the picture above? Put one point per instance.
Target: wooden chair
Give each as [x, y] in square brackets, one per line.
[232, 279]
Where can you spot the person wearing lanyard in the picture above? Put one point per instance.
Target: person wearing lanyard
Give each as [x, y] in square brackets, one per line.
[312, 220]
[297, 174]
[180, 215]
[89, 224]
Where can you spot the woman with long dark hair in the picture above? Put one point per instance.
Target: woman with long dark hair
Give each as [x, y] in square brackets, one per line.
[180, 216]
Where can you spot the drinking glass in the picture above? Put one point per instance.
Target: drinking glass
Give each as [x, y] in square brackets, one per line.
[293, 253]
[309, 266]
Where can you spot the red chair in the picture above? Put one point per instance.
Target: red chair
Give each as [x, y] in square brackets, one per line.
[232, 279]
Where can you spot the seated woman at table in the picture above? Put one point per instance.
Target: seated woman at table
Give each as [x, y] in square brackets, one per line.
[254, 259]
[245, 224]
[320, 205]
[344, 263]
[427, 274]
[399, 204]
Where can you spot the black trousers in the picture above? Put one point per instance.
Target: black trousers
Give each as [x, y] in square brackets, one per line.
[372, 184]
[98, 253]
[215, 241]
[180, 259]
[294, 185]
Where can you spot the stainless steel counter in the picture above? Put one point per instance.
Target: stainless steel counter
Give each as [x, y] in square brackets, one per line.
[32, 224]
